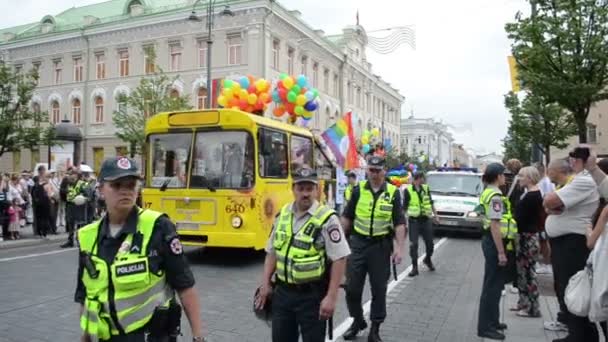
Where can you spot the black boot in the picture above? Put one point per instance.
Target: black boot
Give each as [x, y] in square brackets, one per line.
[427, 261]
[414, 271]
[374, 333]
[355, 328]
[68, 244]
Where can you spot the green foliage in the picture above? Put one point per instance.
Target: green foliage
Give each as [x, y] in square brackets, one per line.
[20, 126]
[562, 54]
[534, 120]
[152, 96]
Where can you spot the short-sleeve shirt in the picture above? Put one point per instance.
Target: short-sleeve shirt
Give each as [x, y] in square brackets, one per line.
[398, 215]
[580, 198]
[165, 252]
[497, 205]
[331, 238]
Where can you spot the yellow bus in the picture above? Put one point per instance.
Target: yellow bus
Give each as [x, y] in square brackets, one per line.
[222, 175]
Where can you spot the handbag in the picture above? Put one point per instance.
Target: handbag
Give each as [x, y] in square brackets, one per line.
[578, 293]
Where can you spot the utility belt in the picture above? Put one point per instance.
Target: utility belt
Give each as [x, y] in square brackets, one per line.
[308, 287]
[165, 323]
[372, 239]
[419, 218]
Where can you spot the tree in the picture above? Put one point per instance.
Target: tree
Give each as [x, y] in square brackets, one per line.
[536, 121]
[20, 126]
[394, 159]
[562, 54]
[515, 146]
[152, 95]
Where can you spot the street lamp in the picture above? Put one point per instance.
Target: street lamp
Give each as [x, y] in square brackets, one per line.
[195, 18]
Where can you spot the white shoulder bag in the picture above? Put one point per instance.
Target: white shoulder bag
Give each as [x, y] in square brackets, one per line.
[578, 293]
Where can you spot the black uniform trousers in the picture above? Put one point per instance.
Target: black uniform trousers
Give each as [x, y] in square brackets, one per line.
[493, 284]
[569, 255]
[368, 256]
[295, 310]
[420, 226]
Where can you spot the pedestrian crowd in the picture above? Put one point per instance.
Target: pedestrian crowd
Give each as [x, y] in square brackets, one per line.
[545, 220]
[49, 201]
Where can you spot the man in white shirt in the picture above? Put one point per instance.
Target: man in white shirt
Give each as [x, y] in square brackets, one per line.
[570, 210]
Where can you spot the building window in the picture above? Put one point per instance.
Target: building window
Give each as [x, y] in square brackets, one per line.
[201, 98]
[78, 69]
[57, 68]
[100, 62]
[359, 98]
[275, 53]
[336, 85]
[149, 66]
[175, 51]
[18, 69]
[202, 54]
[368, 103]
[36, 67]
[315, 75]
[123, 66]
[36, 107]
[55, 112]
[235, 49]
[290, 53]
[173, 93]
[326, 80]
[98, 109]
[76, 112]
[304, 68]
[591, 133]
[350, 93]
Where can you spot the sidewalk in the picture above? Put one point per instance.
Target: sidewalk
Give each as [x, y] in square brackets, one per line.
[443, 306]
[28, 238]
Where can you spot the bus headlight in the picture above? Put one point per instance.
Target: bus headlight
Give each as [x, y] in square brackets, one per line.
[472, 214]
[237, 222]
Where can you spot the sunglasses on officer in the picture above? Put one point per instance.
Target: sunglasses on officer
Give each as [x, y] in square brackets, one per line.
[128, 183]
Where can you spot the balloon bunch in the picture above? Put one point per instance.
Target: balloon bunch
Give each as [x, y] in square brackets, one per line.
[398, 176]
[369, 137]
[413, 167]
[246, 94]
[295, 96]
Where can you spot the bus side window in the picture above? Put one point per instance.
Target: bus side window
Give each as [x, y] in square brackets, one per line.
[273, 158]
[301, 152]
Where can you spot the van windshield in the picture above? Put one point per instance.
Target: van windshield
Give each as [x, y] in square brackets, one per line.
[455, 184]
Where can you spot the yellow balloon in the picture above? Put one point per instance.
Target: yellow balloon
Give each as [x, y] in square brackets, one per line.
[228, 93]
[252, 99]
[236, 87]
[301, 100]
[375, 132]
[243, 94]
[364, 140]
[222, 101]
[307, 114]
[259, 85]
[288, 82]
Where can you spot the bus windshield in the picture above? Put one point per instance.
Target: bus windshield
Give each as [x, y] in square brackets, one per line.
[455, 184]
[223, 160]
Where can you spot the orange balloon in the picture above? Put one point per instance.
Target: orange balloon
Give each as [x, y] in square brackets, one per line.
[279, 111]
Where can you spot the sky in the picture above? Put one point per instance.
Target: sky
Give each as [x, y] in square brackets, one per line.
[458, 72]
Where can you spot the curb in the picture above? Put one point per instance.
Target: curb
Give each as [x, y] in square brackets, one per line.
[29, 242]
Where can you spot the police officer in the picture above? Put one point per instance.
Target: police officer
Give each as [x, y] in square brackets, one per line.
[418, 203]
[499, 231]
[74, 212]
[352, 181]
[307, 253]
[131, 262]
[375, 216]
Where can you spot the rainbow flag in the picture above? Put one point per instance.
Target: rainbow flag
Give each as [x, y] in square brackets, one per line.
[340, 138]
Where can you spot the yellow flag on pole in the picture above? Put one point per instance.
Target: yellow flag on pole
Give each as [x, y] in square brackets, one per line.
[515, 85]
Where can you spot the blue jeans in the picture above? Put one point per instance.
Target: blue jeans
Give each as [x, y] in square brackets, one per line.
[493, 284]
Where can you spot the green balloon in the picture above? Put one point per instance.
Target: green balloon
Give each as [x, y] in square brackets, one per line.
[297, 89]
[228, 84]
[292, 96]
[315, 92]
[283, 76]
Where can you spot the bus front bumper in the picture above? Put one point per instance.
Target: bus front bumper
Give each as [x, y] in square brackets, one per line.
[222, 239]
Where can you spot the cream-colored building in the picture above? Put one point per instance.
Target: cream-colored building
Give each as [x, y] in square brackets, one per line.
[87, 56]
[597, 133]
[429, 137]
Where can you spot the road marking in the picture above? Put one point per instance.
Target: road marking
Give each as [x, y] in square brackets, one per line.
[341, 329]
[35, 255]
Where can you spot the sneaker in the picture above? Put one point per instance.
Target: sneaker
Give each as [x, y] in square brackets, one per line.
[555, 326]
[544, 269]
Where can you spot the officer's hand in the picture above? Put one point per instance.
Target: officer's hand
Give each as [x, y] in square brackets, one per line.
[263, 294]
[436, 220]
[502, 259]
[328, 305]
[397, 256]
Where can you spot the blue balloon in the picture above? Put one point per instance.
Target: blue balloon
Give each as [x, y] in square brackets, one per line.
[311, 106]
[276, 97]
[309, 95]
[244, 82]
[302, 81]
[366, 148]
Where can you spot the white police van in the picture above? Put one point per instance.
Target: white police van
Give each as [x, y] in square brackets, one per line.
[455, 193]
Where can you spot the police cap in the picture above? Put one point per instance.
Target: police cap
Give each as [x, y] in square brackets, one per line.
[494, 169]
[376, 162]
[118, 167]
[305, 175]
[351, 174]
